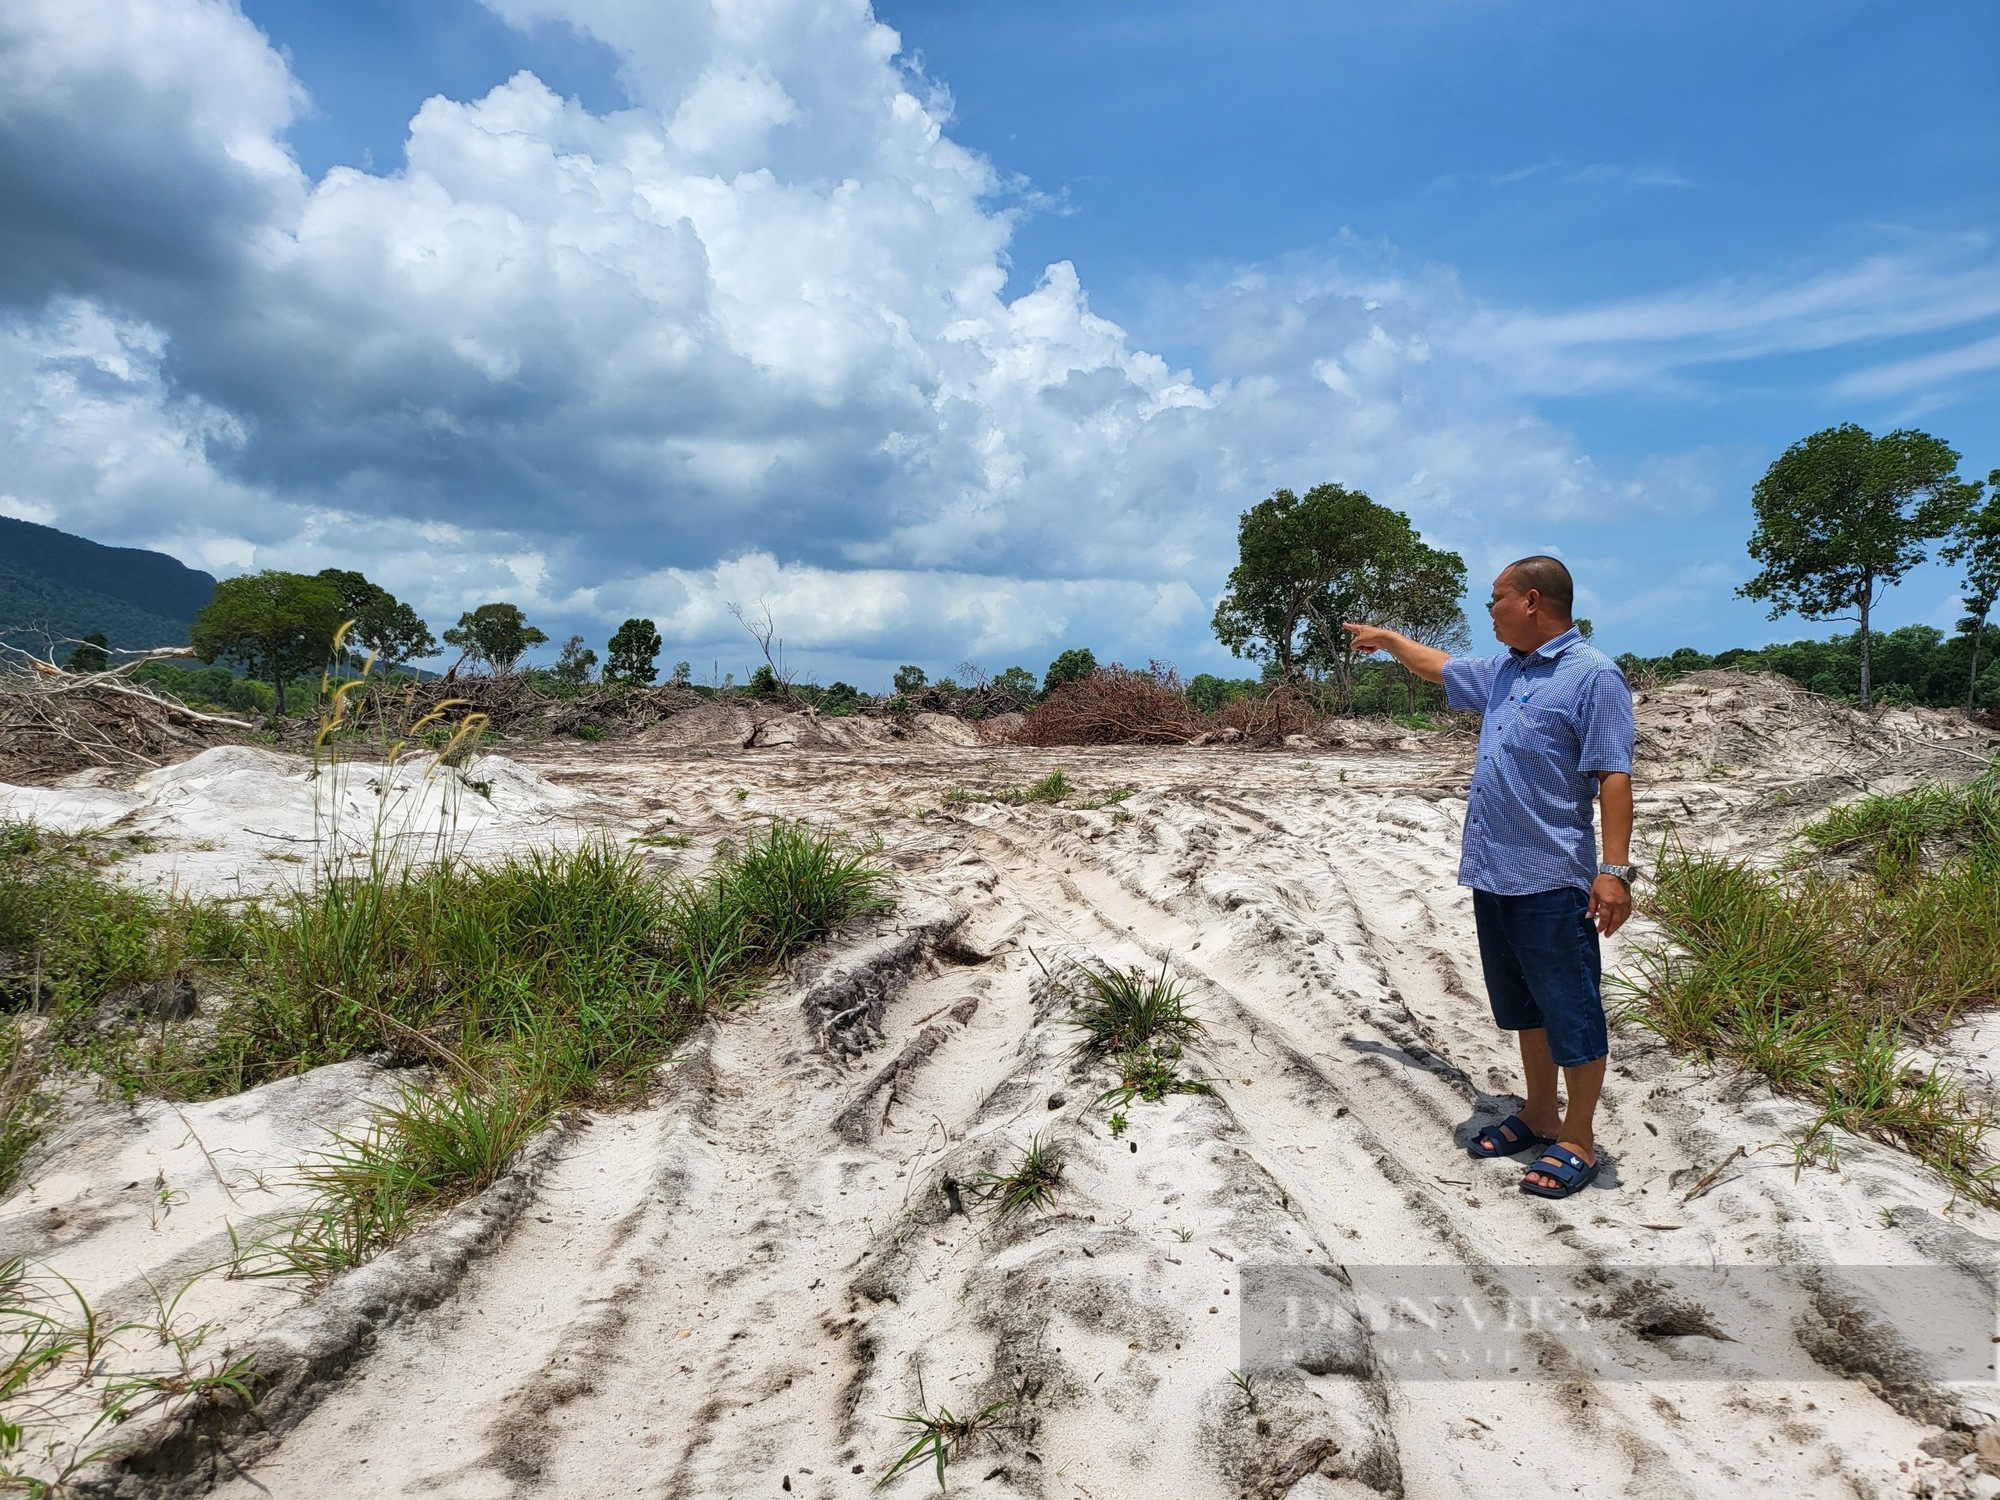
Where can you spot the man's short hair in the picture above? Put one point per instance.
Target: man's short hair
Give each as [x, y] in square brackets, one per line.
[1548, 577]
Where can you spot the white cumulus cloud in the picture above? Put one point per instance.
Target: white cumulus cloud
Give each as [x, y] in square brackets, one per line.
[746, 338]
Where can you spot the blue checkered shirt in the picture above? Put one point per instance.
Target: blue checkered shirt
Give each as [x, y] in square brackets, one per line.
[1553, 716]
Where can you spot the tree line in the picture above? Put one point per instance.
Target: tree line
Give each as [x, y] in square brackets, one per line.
[1841, 517]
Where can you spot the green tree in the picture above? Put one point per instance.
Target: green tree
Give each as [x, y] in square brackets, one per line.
[1073, 665]
[573, 664]
[383, 624]
[275, 625]
[497, 634]
[1411, 587]
[1016, 682]
[909, 680]
[1843, 515]
[1975, 546]
[92, 654]
[1302, 566]
[635, 649]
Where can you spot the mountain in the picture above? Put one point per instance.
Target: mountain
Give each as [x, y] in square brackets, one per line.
[71, 586]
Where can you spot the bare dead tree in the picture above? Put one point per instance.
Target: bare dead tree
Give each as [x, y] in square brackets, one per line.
[765, 634]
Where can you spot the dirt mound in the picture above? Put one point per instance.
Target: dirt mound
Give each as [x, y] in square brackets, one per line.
[1711, 724]
[51, 731]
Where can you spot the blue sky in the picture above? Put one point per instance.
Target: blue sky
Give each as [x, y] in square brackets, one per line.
[656, 307]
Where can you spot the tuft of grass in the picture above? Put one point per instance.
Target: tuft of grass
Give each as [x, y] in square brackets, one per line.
[1128, 1010]
[1053, 787]
[1034, 1182]
[68, 1375]
[1247, 1384]
[1150, 1074]
[941, 1435]
[1141, 1022]
[426, 1150]
[663, 840]
[1880, 935]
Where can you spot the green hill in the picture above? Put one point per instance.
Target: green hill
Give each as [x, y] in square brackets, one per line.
[70, 586]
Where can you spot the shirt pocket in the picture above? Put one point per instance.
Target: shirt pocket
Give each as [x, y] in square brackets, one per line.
[1549, 730]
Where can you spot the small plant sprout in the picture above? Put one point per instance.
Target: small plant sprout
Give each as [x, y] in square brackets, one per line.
[1033, 1183]
[741, 794]
[1183, 1234]
[1119, 1124]
[941, 1435]
[1247, 1385]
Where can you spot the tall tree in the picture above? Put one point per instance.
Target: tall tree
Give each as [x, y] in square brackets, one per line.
[383, 624]
[275, 625]
[497, 634]
[1843, 515]
[634, 650]
[573, 665]
[1975, 546]
[1415, 589]
[1307, 563]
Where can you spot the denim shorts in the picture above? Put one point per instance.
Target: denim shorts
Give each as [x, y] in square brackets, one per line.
[1543, 969]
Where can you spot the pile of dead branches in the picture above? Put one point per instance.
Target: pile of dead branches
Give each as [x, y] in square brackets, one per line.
[1115, 706]
[54, 722]
[1261, 718]
[986, 702]
[514, 706]
[1118, 706]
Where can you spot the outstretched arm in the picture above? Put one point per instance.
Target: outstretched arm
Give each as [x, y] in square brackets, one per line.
[1426, 661]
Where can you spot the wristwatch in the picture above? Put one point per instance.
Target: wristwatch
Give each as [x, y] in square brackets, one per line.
[1626, 873]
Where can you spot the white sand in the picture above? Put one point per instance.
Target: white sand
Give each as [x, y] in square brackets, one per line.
[738, 1287]
[240, 821]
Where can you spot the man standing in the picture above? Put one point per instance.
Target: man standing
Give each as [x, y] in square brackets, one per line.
[1557, 732]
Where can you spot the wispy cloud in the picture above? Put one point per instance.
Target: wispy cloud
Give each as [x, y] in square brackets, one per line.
[1565, 173]
[1654, 340]
[1924, 372]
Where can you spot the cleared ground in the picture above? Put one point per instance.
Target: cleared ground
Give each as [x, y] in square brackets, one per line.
[734, 1290]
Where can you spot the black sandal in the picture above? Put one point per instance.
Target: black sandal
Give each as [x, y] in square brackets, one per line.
[1508, 1138]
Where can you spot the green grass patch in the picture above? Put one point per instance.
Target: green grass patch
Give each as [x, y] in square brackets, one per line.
[546, 980]
[426, 1150]
[1052, 790]
[1034, 1181]
[572, 971]
[1877, 937]
[941, 1435]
